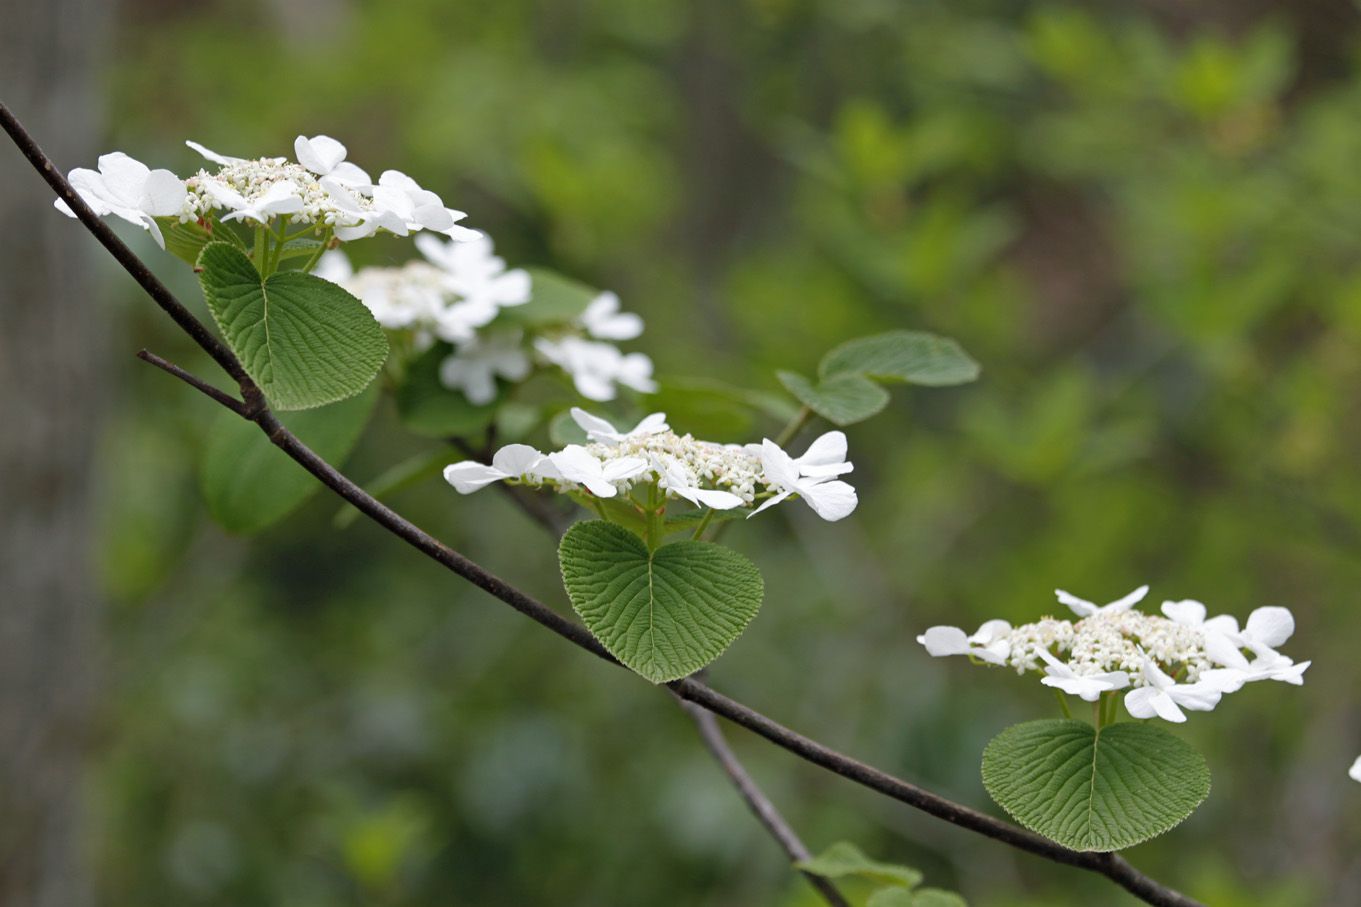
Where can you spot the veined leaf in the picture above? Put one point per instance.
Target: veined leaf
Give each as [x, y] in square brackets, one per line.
[665, 613]
[1094, 791]
[841, 399]
[304, 340]
[845, 859]
[911, 356]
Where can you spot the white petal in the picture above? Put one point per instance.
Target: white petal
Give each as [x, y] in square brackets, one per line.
[1198, 697]
[513, 288]
[1224, 624]
[163, 194]
[1223, 651]
[1129, 601]
[1080, 606]
[468, 476]
[770, 502]
[941, 641]
[651, 424]
[1226, 680]
[990, 632]
[334, 266]
[1355, 771]
[350, 174]
[516, 459]
[717, 499]
[830, 500]
[320, 154]
[623, 468]
[826, 449]
[1165, 708]
[124, 176]
[1139, 702]
[596, 428]
[779, 466]
[1188, 612]
[213, 155]
[1270, 627]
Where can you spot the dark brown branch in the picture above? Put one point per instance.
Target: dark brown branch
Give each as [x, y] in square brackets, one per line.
[1110, 865]
[758, 802]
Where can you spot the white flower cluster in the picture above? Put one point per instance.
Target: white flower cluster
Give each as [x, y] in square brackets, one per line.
[707, 474]
[322, 188]
[1180, 660]
[458, 290]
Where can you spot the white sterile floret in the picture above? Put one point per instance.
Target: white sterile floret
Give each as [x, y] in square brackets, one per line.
[127, 188]
[1088, 687]
[597, 429]
[474, 366]
[991, 643]
[1162, 696]
[811, 479]
[1083, 608]
[601, 478]
[514, 461]
[675, 478]
[603, 320]
[597, 368]
[283, 197]
[325, 156]
[1173, 662]
[476, 274]
[1355, 771]
[420, 208]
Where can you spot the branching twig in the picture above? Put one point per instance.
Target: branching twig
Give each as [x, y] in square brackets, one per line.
[1110, 865]
[757, 801]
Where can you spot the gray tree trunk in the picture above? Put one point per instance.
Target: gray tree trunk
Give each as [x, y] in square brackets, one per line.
[50, 382]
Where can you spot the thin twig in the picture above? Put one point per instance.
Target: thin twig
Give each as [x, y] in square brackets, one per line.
[1107, 864]
[758, 802]
[195, 382]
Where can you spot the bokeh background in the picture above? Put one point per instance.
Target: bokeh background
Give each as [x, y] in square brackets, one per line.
[1142, 217]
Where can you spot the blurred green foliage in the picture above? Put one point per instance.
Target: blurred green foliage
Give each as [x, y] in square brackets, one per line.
[1143, 225]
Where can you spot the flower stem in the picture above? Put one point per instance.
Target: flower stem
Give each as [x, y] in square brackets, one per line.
[703, 524]
[1063, 705]
[795, 425]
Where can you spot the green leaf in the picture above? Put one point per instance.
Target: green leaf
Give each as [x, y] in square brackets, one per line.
[554, 299]
[304, 340]
[840, 399]
[666, 613]
[429, 408]
[891, 897]
[410, 472]
[845, 859]
[184, 240]
[929, 897]
[249, 483]
[1091, 791]
[910, 356]
[689, 520]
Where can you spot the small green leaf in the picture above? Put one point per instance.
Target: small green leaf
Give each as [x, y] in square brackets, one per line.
[554, 299]
[891, 897]
[934, 897]
[184, 240]
[249, 483]
[911, 356]
[845, 859]
[840, 399]
[428, 408]
[304, 340]
[666, 613]
[1091, 791]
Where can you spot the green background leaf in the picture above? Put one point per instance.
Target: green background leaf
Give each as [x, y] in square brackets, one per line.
[891, 897]
[840, 399]
[911, 356]
[929, 897]
[1133, 782]
[665, 615]
[428, 408]
[845, 859]
[304, 340]
[249, 483]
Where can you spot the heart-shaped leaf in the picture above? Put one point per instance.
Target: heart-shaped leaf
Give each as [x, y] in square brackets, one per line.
[304, 340]
[250, 484]
[911, 356]
[1092, 790]
[840, 399]
[665, 613]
